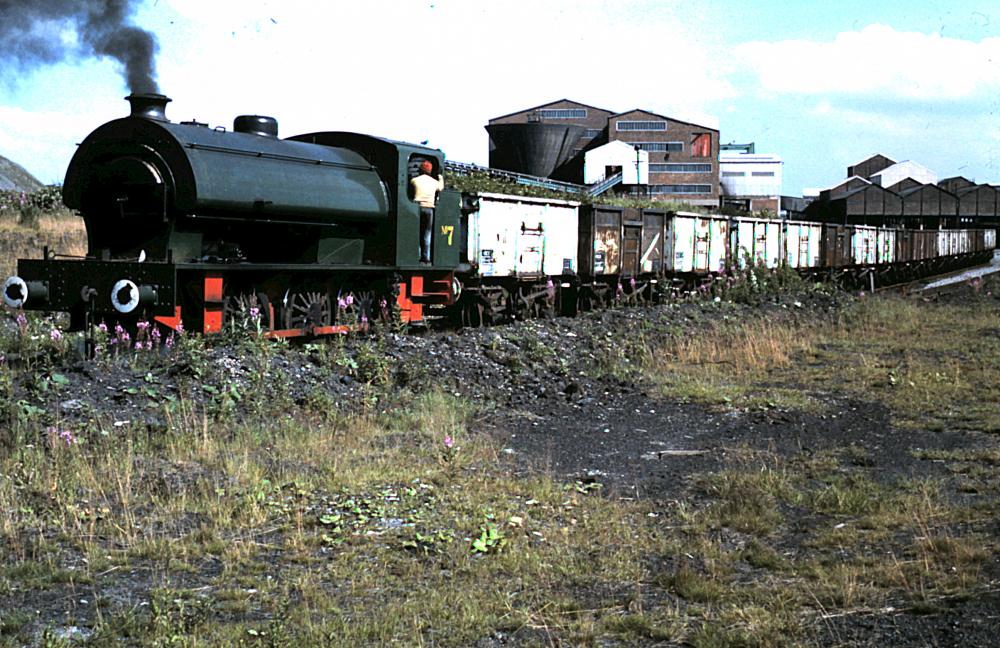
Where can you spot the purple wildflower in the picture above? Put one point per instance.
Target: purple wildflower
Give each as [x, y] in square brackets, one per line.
[102, 327]
[155, 333]
[448, 441]
[169, 342]
[254, 313]
[138, 346]
[62, 435]
[142, 325]
[55, 335]
[21, 320]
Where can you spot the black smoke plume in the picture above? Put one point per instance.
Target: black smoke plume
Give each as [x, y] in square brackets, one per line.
[39, 32]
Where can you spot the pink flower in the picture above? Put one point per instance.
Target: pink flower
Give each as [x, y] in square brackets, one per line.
[448, 441]
[63, 435]
[255, 313]
[142, 325]
[102, 327]
[55, 335]
[169, 342]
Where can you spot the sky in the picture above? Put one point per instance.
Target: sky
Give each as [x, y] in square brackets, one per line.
[822, 84]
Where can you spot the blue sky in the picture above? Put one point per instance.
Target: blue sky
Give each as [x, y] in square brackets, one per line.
[822, 84]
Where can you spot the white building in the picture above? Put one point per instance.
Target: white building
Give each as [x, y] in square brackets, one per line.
[751, 181]
[605, 161]
[901, 171]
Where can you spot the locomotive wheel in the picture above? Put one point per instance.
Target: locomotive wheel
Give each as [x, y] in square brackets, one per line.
[307, 310]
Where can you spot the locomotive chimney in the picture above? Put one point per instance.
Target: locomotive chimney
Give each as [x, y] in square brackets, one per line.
[149, 106]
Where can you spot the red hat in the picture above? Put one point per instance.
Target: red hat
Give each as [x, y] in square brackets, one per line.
[426, 166]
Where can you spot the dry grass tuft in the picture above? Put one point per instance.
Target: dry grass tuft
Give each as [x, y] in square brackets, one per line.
[63, 232]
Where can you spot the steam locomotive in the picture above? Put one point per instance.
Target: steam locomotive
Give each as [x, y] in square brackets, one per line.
[192, 225]
[195, 226]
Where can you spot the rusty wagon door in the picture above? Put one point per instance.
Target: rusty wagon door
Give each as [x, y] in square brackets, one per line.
[631, 252]
[653, 239]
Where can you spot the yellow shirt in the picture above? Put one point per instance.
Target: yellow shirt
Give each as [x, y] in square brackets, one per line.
[425, 189]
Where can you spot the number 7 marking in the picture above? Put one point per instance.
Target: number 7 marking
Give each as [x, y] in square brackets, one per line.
[449, 230]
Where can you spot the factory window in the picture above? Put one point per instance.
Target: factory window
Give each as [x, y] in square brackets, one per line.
[689, 167]
[702, 145]
[641, 125]
[733, 174]
[563, 113]
[659, 147]
[680, 189]
[763, 174]
[593, 132]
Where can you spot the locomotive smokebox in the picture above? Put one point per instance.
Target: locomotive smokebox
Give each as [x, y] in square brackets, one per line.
[149, 106]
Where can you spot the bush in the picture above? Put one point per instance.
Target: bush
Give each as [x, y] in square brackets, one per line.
[29, 206]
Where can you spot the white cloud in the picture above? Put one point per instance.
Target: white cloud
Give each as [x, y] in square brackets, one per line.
[436, 70]
[865, 121]
[42, 142]
[877, 60]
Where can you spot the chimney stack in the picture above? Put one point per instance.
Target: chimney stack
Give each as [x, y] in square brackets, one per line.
[149, 106]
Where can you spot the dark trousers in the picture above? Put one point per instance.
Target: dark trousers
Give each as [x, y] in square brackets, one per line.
[426, 229]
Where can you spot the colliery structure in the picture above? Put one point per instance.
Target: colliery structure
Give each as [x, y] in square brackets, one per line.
[880, 191]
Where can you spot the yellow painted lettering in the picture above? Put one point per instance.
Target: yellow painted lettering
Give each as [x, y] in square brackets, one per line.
[449, 230]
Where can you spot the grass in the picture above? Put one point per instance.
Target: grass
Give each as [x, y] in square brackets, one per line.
[324, 528]
[361, 528]
[898, 351]
[62, 231]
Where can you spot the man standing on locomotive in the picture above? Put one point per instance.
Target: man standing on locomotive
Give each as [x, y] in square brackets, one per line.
[425, 190]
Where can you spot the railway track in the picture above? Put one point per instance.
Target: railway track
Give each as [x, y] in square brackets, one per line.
[946, 282]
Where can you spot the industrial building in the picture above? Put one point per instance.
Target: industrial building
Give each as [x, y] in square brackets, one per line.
[567, 140]
[881, 191]
[751, 181]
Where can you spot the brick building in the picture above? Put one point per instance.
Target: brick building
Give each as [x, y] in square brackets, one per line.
[555, 137]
